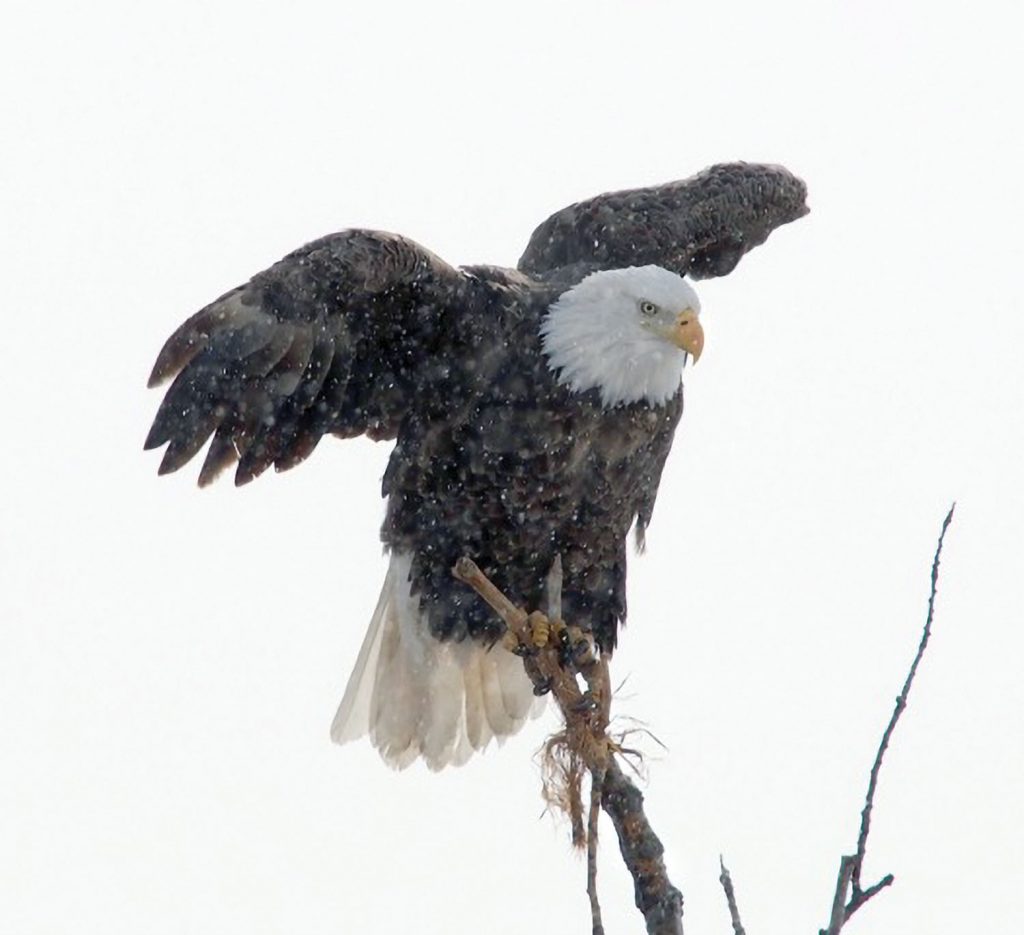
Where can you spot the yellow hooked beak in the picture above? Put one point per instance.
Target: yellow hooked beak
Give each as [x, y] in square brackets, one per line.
[687, 333]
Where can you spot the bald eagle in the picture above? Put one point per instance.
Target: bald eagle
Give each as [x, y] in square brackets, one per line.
[532, 411]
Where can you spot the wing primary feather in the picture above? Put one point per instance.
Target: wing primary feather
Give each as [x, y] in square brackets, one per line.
[184, 445]
[302, 445]
[221, 454]
[194, 334]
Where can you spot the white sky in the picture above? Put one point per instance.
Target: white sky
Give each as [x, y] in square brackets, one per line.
[170, 659]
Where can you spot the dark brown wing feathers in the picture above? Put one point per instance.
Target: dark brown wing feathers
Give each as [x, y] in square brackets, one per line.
[305, 348]
[700, 226]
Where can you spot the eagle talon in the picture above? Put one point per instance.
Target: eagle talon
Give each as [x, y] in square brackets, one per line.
[587, 704]
[582, 652]
[542, 687]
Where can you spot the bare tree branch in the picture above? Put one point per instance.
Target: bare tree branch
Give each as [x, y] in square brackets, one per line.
[553, 654]
[901, 704]
[730, 897]
[851, 866]
[837, 919]
[655, 896]
[554, 600]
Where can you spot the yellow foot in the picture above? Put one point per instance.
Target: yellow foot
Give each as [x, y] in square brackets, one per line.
[540, 630]
[542, 633]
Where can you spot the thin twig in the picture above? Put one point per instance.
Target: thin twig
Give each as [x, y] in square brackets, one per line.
[838, 916]
[730, 898]
[554, 609]
[596, 782]
[851, 866]
[858, 898]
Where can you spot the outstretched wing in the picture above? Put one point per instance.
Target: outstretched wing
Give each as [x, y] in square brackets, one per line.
[338, 337]
[700, 226]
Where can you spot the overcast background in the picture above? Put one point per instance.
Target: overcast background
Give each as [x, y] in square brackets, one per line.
[170, 659]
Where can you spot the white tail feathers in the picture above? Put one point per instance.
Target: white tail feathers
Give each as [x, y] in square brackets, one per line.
[417, 696]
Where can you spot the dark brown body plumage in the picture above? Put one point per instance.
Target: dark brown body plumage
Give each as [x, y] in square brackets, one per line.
[517, 469]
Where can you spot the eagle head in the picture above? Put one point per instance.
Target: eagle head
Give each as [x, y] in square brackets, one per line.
[625, 332]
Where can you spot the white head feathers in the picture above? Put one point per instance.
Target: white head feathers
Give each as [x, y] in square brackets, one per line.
[608, 333]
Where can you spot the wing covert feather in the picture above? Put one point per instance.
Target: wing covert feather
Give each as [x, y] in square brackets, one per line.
[699, 227]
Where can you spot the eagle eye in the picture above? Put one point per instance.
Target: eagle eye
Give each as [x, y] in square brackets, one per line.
[648, 308]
